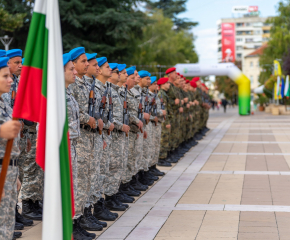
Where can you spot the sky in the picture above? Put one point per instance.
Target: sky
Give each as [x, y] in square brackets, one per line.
[207, 12]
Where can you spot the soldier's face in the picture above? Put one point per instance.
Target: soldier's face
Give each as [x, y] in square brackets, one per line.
[5, 80]
[105, 70]
[153, 87]
[69, 73]
[123, 76]
[198, 83]
[137, 77]
[93, 68]
[81, 65]
[115, 76]
[15, 65]
[131, 81]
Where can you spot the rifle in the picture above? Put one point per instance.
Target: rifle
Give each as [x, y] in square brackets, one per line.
[13, 94]
[110, 113]
[154, 106]
[162, 103]
[92, 101]
[125, 110]
[103, 106]
[146, 105]
[140, 111]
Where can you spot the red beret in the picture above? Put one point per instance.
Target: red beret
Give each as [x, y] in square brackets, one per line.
[169, 70]
[181, 75]
[193, 84]
[184, 78]
[187, 81]
[203, 84]
[162, 81]
[196, 79]
[178, 74]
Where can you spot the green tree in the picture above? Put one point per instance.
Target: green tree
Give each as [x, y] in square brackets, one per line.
[226, 86]
[10, 22]
[171, 8]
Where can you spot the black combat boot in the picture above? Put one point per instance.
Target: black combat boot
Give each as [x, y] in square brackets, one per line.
[144, 180]
[126, 188]
[133, 189]
[18, 226]
[150, 176]
[20, 219]
[163, 163]
[88, 224]
[88, 214]
[38, 207]
[156, 171]
[79, 233]
[113, 205]
[172, 159]
[17, 235]
[101, 212]
[198, 136]
[119, 202]
[137, 185]
[29, 210]
[124, 198]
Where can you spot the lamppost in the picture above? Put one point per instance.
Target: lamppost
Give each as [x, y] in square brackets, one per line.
[6, 41]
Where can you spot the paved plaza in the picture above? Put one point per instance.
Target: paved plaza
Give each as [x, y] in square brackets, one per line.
[235, 184]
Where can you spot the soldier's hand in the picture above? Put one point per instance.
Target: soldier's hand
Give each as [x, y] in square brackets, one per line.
[186, 100]
[28, 145]
[164, 112]
[18, 184]
[140, 124]
[112, 126]
[176, 101]
[188, 105]
[125, 128]
[168, 126]
[104, 144]
[182, 102]
[10, 129]
[181, 110]
[100, 124]
[92, 122]
[156, 119]
[146, 116]
[145, 135]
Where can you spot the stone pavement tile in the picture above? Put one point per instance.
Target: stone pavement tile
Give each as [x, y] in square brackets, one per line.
[258, 236]
[215, 163]
[224, 147]
[281, 138]
[256, 163]
[228, 190]
[116, 233]
[287, 158]
[242, 138]
[201, 189]
[284, 148]
[235, 163]
[255, 138]
[268, 138]
[272, 148]
[277, 163]
[255, 148]
[239, 148]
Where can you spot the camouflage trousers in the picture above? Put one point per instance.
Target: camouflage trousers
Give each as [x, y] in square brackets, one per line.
[156, 137]
[164, 141]
[113, 178]
[148, 148]
[33, 176]
[197, 117]
[22, 157]
[174, 132]
[74, 164]
[139, 144]
[102, 167]
[8, 203]
[125, 159]
[88, 170]
[131, 163]
[202, 117]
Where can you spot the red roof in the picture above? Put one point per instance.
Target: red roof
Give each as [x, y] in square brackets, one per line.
[258, 51]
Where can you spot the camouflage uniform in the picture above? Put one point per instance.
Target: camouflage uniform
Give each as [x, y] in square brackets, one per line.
[121, 92]
[113, 179]
[8, 202]
[88, 167]
[105, 156]
[165, 132]
[33, 177]
[141, 163]
[198, 110]
[134, 152]
[156, 133]
[74, 134]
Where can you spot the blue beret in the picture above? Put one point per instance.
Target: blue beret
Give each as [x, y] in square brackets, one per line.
[144, 73]
[23, 61]
[153, 79]
[131, 70]
[14, 53]
[3, 53]
[3, 62]
[102, 61]
[121, 67]
[91, 56]
[66, 58]
[113, 66]
[76, 52]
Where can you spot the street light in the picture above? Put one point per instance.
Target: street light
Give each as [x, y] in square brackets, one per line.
[6, 41]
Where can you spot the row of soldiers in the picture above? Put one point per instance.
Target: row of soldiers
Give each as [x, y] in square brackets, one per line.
[120, 128]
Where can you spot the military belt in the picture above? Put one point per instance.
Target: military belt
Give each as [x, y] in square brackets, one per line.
[12, 162]
[88, 128]
[117, 131]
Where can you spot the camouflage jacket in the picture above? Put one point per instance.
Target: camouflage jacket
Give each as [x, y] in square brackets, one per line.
[133, 104]
[158, 105]
[118, 107]
[73, 115]
[6, 115]
[163, 94]
[172, 95]
[7, 96]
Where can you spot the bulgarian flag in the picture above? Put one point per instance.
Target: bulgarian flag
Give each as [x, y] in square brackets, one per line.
[287, 89]
[278, 87]
[41, 98]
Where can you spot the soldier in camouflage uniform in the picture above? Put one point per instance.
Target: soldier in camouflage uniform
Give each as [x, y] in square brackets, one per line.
[198, 115]
[116, 168]
[9, 196]
[88, 167]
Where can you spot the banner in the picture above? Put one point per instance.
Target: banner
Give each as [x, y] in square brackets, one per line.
[277, 68]
[228, 42]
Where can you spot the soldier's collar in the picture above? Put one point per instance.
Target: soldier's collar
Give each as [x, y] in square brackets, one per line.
[88, 79]
[82, 80]
[99, 83]
[2, 103]
[116, 87]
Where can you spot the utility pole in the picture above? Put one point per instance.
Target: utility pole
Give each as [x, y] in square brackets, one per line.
[6, 41]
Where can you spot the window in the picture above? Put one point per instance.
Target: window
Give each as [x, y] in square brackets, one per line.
[251, 64]
[219, 49]
[249, 40]
[239, 24]
[220, 41]
[239, 48]
[258, 65]
[248, 24]
[252, 79]
[266, 31]
[239, 39]
[239, 55]
[257, 32]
